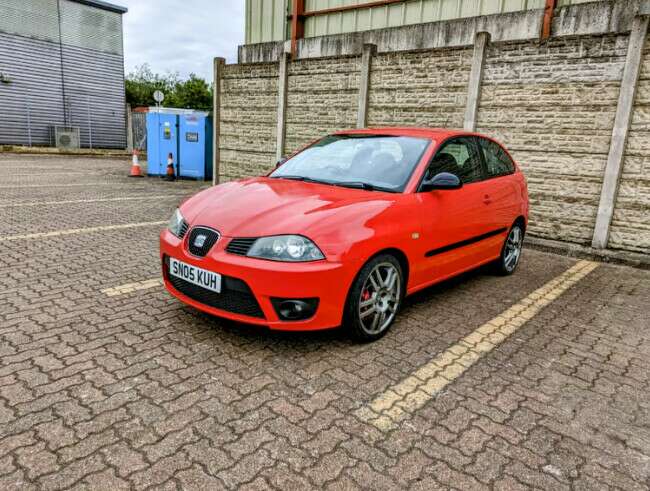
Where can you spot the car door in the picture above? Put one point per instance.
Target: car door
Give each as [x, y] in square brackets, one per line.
[504, 204]
[455, 223]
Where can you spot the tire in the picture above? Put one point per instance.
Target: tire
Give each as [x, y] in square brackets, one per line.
[372, 305]
[511, 251]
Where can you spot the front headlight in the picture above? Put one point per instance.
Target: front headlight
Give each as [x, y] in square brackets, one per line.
[293, 248]
[177, 224]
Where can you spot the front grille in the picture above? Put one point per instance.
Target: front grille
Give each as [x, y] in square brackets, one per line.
[210, 238]
[236, 296]
[184, 227]
[241, 245]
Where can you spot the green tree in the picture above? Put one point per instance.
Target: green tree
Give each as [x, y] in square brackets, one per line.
[193, 93]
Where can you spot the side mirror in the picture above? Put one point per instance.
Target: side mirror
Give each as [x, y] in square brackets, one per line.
[442, 181]
[280, 162]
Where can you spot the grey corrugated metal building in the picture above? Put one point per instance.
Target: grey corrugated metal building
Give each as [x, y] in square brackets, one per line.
[61, 63]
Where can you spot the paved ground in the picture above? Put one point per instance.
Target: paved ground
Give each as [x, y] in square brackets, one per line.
[540, 380]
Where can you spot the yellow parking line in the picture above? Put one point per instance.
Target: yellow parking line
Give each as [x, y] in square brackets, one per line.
[132, 287]
[401, 400]
[98, 200]
[72, 231]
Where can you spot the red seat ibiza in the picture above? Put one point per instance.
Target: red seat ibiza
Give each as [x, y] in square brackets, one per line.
[340, 232]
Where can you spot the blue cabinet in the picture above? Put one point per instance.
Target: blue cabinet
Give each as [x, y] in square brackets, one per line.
[162, 139]
[195, 146]
[187, 135]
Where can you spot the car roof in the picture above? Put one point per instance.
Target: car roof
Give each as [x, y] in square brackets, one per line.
[433, 133]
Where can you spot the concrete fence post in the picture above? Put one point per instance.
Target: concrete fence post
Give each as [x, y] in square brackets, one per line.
[369, 50]
[219, 64]
[616, 157]
[281, 129]
[475, 80]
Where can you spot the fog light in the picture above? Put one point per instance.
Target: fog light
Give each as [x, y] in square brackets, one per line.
[294, 309]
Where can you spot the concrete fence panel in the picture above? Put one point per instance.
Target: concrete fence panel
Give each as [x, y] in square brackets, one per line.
[249, 96]
[322, 98]
[422, 88]
[553, 105]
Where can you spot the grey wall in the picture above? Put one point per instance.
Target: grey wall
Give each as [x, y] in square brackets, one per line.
[90, 62]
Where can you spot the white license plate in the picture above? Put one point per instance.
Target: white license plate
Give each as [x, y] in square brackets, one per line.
[198, 276]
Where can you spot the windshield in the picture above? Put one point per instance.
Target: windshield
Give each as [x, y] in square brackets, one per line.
[373, 162]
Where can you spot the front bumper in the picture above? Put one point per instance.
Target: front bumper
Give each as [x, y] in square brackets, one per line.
[244, 276]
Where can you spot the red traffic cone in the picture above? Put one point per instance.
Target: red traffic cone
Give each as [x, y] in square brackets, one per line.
[171, 175]
[136, 171]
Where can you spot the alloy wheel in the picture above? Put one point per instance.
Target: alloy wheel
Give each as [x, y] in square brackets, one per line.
[380, 297]
[513, 248]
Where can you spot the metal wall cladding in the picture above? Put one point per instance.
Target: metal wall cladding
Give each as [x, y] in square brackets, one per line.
[91, 28]
[265, 19]
[31, 18]
[81, 25]
[35, 90]
[33, 100]
[94, 89]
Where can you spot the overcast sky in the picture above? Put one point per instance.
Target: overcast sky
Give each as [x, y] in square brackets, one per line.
[181, 36]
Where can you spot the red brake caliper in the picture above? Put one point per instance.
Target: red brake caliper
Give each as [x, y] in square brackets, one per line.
[365, 295]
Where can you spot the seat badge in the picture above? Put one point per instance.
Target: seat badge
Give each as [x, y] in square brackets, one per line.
[200, 240]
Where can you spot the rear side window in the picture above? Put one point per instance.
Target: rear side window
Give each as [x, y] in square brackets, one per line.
[496, 159]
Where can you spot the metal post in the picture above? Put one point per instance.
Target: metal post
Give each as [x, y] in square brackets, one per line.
[475, 80]
[29, 122]
[369, 50]
[90, 123]
[616, 157]
[129, 129]
[219, 64]
[281, 130]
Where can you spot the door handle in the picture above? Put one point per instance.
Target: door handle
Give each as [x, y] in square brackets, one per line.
[486, 199]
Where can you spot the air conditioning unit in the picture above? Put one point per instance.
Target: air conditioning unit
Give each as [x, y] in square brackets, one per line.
[65, 137]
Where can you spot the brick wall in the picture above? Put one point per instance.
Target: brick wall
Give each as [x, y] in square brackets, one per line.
[248, 119]
[553, 104]
[631, 222]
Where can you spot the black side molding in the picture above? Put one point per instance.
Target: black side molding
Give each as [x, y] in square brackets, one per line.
[464, 243]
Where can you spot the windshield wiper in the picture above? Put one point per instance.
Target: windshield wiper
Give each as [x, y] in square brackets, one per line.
[301, 178]
[366, 186]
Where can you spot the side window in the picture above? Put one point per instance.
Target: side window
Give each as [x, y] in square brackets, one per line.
[460, 157]
[496, 159]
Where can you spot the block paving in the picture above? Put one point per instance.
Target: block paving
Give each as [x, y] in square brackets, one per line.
[107, 382]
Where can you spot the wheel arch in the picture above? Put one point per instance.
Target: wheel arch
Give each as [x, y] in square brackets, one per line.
[401, 257]
[521, 220]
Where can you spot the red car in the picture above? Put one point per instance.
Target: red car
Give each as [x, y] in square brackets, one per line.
[340, 232]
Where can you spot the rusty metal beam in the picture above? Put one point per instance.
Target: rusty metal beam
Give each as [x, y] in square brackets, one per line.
[346, 8]
[297, 25]
[298, 15]
[547, 23]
